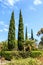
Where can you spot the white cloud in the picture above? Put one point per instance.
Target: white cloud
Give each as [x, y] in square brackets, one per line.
[1, 30]
[32, 8]
[4, 26]
[37, 2]
[5, 29]
[9, 2]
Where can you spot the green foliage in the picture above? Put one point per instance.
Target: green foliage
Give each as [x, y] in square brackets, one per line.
[26, 36]
[11, 33]
[25, 54]
[15, 54]
[11, 63]
[27, 61]
[20, 33]
[31, 34]
[21, 54]
[8, 57]
[40, 32]
[35, 54]
[31, 44]
[16, 45]
[34, 62]
[41, 42]
[5, 46]
[40, 46]
[27, 42]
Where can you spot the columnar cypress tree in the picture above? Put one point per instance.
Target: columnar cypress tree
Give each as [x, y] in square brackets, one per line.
[26, 35]
[20, 32]
[32, 35]
[11, 33]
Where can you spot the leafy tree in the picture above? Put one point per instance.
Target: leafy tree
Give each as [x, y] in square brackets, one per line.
[30, 44]
[26, 35]
[11, 33]
[40, 32]
[41, 42]
[32, 34]
[20, 32]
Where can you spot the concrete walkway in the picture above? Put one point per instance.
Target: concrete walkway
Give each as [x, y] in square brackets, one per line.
[4, 62]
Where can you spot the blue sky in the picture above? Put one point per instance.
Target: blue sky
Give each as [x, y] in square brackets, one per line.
[32, 11]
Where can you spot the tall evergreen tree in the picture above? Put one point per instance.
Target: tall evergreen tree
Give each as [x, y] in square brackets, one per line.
[26, 35]
[32, 35]
[20, 32]
[11, 33]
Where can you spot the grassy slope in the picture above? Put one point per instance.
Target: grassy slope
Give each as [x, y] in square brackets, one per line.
[27, 61]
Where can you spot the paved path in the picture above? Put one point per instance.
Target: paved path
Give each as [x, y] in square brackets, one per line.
[4, 62]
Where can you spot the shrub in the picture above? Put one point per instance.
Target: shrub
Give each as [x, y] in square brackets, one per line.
[20, 54]
[6, 55]
[32, 54]
[35, 54]
[25, 54]
[5, 46]
[16, 54]
[1, 53]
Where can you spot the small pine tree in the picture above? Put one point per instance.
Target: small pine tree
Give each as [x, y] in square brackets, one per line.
[20, 32]
[26, 35]
[32, 35]
[11, 33]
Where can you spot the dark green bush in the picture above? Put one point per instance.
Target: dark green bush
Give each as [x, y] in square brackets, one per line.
[25, 54]
[35, 54]
[8, 56]
[20, 54]
[1, 53]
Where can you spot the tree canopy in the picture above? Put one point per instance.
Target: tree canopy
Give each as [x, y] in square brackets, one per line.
[11, 33]
[20, 32]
